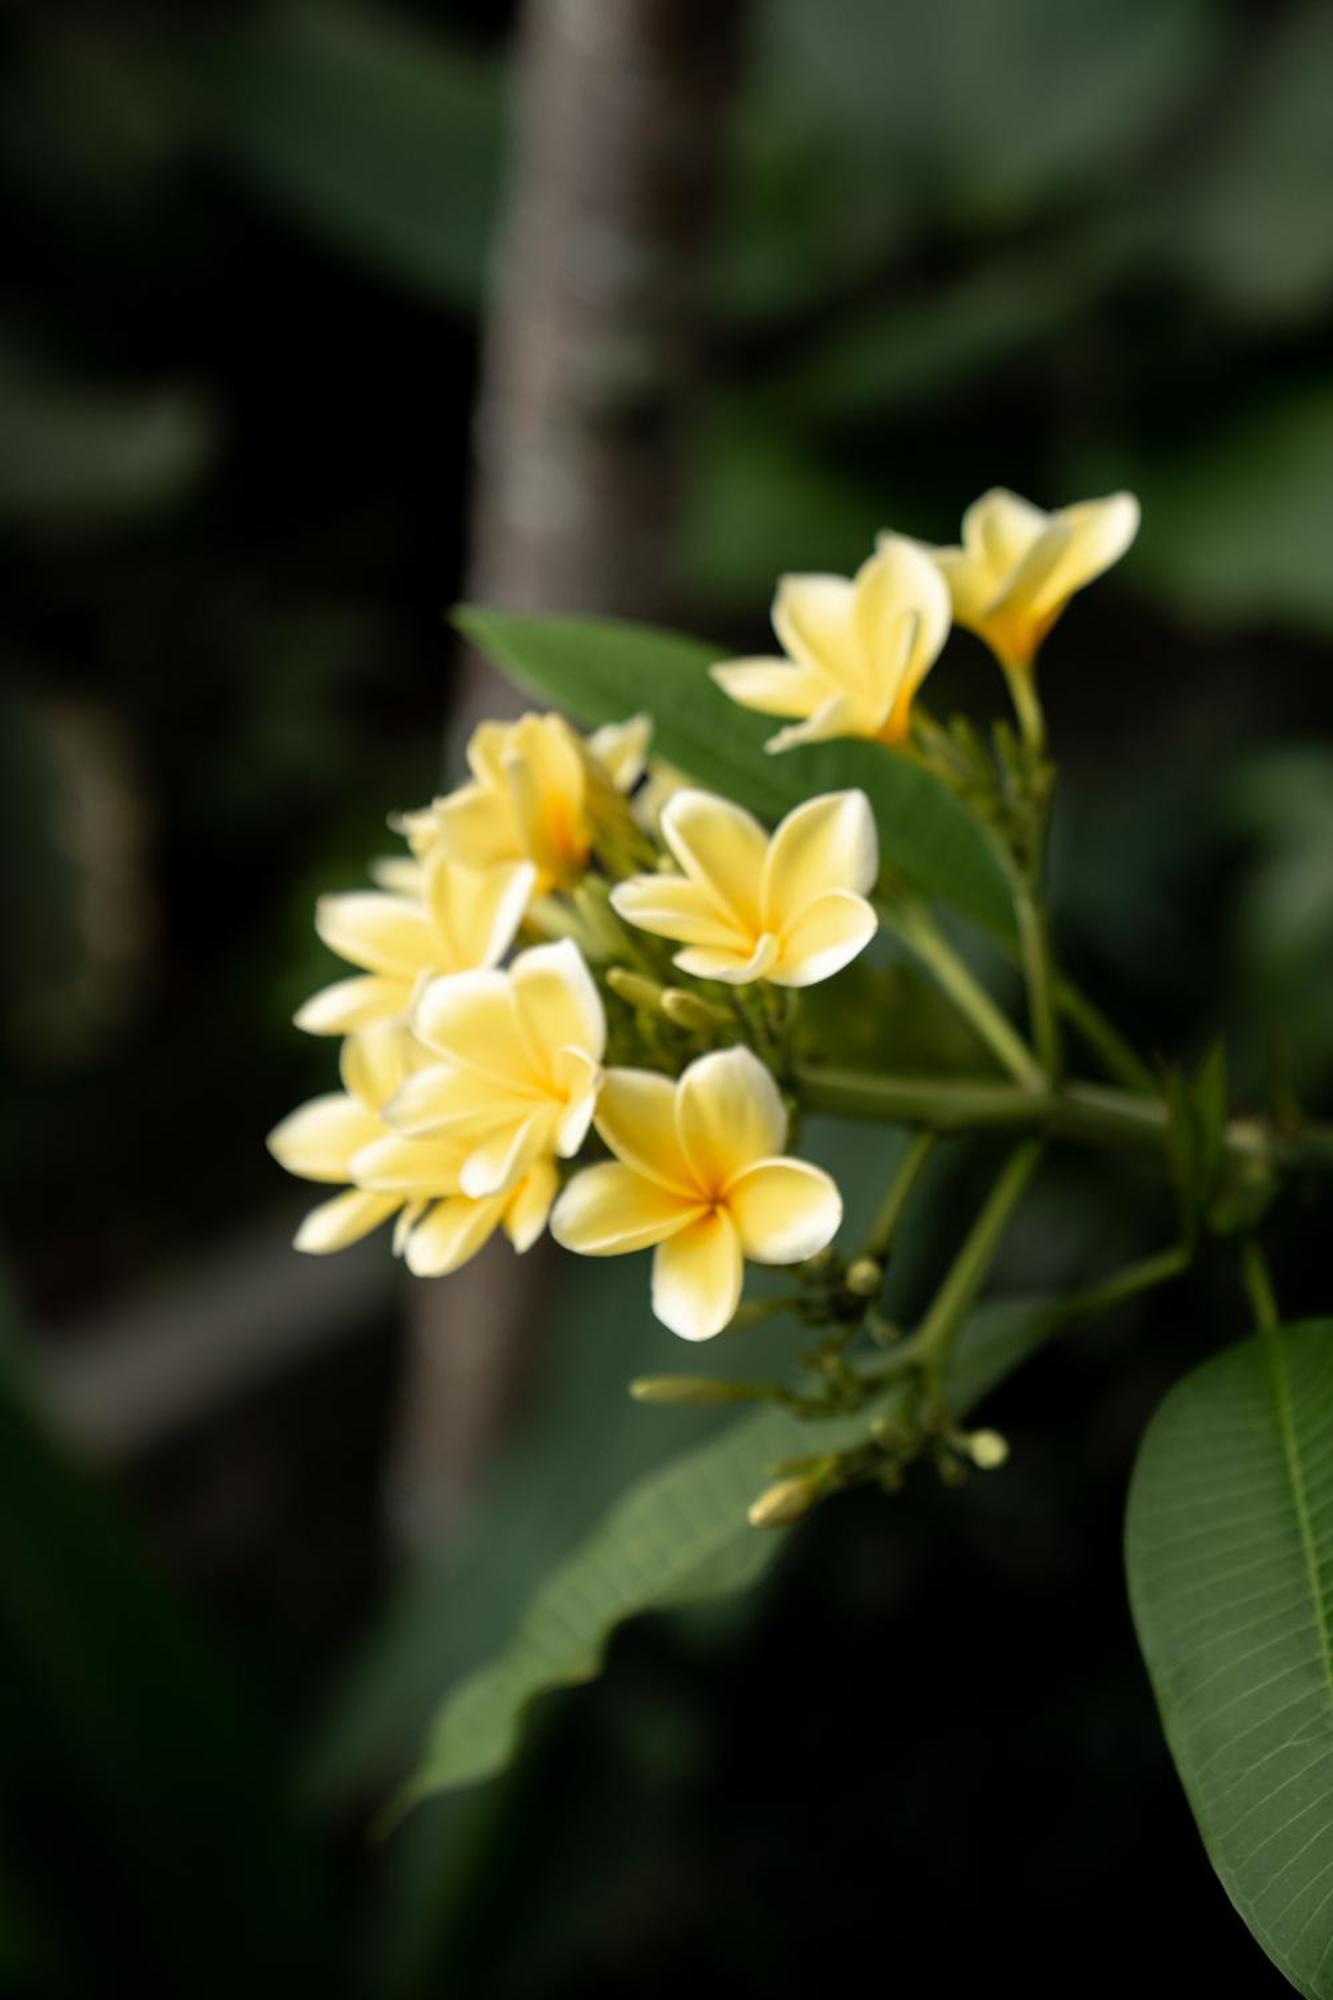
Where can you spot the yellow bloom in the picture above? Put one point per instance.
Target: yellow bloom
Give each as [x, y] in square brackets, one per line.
[856, 649]
[520, 1054]
[462, 918]
[342, 1139]
[791, 909]
[1018, 567]
[699, 1174]
[530, 798]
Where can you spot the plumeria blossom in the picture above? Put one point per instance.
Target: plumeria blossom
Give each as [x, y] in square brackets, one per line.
[791, 909]
[857, 649]
[1018, 567]
[343, 1139]
[516, 1064]
[460, 919]
[531, 796]
[698, 1176]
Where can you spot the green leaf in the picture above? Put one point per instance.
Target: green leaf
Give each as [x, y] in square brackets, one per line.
[680, 1536]
[380, 136]
[1230, 1554]
[601, 669]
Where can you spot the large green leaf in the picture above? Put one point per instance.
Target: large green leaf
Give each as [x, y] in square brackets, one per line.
[1230, 1553]
[381, 136]
[601, 669]
[679, 1536]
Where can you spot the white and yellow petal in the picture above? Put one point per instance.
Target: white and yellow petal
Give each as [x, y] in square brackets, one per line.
[451, 1233]
[636, 1116]
[350, 1004]
[384, 934]
[697, 1275]
[828, 934]
[729, 1115]
[721, 847]
[609, 1209]
[344, 1220]
[784, 1210]
[828, 843]
[319, 1140]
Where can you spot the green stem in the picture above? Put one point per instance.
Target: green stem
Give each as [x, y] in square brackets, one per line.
[1142, 1276]
[1104, 1039]
[895, 1195]
[1034, 944]
[1259, 1288]
[932, 1343]
[913, 923]
[1022, 679]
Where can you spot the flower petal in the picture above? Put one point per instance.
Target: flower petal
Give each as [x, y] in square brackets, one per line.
[350, 1004]
[784, 1210]
[719, 845]
[901, 582]
[499, 1158]
[1000, 528]
[375, 1063]
[385, 934]
[476, 825]
[730, 1115]
[450, 1234]
[774, 687]
[697, 1277]
[609, 1209]
[319, 1140]
[636, 1115]
[827, 843]
[841, 715]
[475, 911]
[558, 1005]
[530, 1204]
[673, 906]
[1098, 534]
[826, 936]
[621, 748]
[734, 968]
[345, 1219]
[814, 618]
[577, 1078]
[470, 1018]
[410, 1166]
[441, 1098]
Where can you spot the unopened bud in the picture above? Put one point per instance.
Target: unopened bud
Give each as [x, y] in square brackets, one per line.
[633, 987]
[865, 1276]
[697, 1390]
[687, 1010]
[987, 1450]
[784, 1502]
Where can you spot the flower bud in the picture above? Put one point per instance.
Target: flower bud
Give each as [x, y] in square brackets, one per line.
[865, 1275]
[687, 1010]
[634, 988]
[700, 1390]
[784, 1502]
[987, 1450]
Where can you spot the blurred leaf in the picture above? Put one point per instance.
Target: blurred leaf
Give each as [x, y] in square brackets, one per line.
[600, 668]
[1230, 1553]
[1235, 526]
[1283, 802]
[1258, 225]
[679, 1537]
[138, 1807]
[383, 137]
[76, 453]
[887, 1017]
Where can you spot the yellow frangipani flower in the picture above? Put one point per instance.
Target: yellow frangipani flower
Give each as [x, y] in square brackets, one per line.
[518, 1061]
[791, 909]
[1018, 567]
[857, 649]
[699, 1177]
[461, 919]
[342, 1139]
[530, 795]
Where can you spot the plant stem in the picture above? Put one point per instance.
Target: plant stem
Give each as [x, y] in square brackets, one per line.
[1259, 1287]
[1022, 679]
[932, 1343]
[1104, 1039]
[895, 1195]
[912, 922]
[1125, 1284]
[1034, 943]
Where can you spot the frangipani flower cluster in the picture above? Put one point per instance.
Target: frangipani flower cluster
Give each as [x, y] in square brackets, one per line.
[476, 1032]
[576, 950]
[856, 650]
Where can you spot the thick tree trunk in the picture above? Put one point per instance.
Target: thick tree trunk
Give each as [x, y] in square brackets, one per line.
[582, 436]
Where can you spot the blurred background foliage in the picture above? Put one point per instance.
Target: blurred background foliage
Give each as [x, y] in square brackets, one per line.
[1058, 247]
